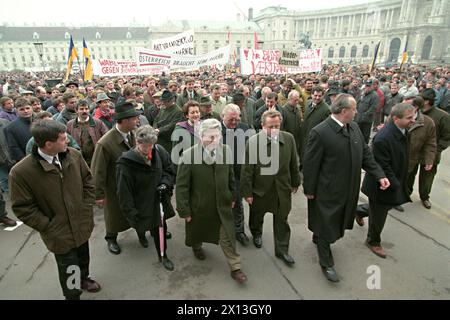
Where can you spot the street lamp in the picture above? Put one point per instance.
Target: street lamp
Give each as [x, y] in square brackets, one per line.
[40, 50]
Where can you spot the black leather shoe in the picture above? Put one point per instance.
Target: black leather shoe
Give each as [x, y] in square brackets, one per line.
[167, 263]
[143, 241]
[399, 208]
[168, 235]
[242, 238]
[113, 247]
[8, 222]
[426, 204]
[199, 253]
[257, 241]
[330, 274]
[286, 259]
[314, 239]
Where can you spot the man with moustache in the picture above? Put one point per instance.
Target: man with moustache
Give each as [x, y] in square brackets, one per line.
[86, 130]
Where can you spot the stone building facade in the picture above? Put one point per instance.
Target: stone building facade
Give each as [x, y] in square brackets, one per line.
[350, 34]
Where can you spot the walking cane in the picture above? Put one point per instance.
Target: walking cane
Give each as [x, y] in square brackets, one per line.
[162, 235]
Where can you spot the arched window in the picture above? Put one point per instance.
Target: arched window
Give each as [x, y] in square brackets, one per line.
[426, 49]
[342, 52]
[97, 35]
[66, 35]
[353, 52]
[331, 52]
[128, 36]
[365, 52]
[284, 34]
[35, 36]
[394, 50]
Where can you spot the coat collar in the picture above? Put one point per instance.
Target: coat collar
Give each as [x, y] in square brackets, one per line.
[118, 139]
[420, 122]
[396, 131]
[64, 159]
[262, 134]
[91, 122]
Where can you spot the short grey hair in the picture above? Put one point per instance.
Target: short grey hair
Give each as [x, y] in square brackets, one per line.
[270, 114]
[400, 108]
[231, 107]
[343, 101]
[293, 93]
[146, 135]
[209, 124]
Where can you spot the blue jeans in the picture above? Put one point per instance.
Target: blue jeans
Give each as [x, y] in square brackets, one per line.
[4, 171]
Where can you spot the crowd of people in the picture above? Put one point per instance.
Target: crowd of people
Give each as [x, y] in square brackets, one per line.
[209, 140]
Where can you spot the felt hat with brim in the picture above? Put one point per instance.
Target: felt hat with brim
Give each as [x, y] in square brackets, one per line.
[72, 83]
[166, 95]
[205, 101]
[102, 96]
[125, 110]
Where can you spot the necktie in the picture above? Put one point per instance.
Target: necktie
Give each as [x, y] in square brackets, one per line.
[56, 163]
[212, 154]
[128, 140]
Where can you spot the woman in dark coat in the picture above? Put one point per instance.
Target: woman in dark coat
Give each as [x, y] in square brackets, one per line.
[184, 135]
[143, 173]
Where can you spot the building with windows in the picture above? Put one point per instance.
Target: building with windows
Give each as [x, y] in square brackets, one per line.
[17, 51]
[350, 33]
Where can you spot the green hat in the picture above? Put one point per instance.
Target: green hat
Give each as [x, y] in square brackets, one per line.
[125, 110]
[205, 101]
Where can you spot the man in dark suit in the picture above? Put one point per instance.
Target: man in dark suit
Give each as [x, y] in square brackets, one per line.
[335, 154]
[390, 148]
[268, 178]
[234, 135]
[317, 110]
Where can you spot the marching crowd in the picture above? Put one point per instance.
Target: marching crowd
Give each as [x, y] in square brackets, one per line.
[199, 144]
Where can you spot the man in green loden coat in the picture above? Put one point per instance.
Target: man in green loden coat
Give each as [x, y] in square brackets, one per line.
[204, 195]
[108, 149]
[167, 118]
[268, 177]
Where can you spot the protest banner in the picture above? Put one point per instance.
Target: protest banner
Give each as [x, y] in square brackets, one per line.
[289, 59]
[149, 59]
[115, 68]
[261, 62]
[310, 60]
[180, 44]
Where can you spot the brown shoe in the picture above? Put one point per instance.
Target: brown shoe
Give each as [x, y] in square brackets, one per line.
[239, 276]
[199, 253]
[90, 285]
[378, 250]
[426, 204]
[359, 220]
[8, 222]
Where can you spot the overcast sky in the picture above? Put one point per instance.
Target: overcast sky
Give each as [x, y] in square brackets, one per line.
[82, 13]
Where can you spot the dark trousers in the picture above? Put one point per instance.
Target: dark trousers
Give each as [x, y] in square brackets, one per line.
[377, 218]
[238, 210]
[281, 229]
[365, 128]
[426, 179]
[155, 234]
[324, 251]
[2, 207]
[75, 257]
[111, 236]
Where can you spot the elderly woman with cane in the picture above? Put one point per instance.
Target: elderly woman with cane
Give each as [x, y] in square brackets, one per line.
[145, 178]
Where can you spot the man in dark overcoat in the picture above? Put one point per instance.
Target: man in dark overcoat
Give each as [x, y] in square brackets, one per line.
[268, 178]
[335, 153]
[108, 149]
[390, 148]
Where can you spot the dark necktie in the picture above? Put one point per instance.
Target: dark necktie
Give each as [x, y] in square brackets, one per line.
[56, 163]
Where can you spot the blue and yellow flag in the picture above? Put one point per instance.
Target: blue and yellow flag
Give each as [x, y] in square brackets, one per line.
[404, 55]
[72, 56]
[87, 62]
